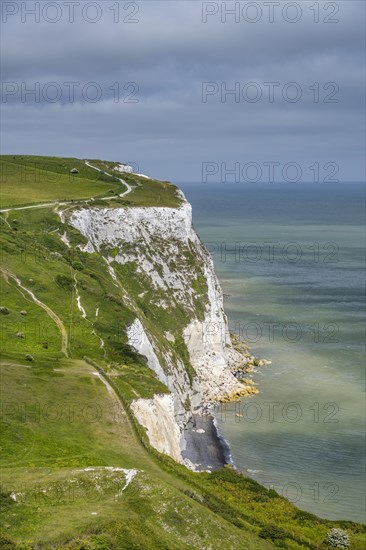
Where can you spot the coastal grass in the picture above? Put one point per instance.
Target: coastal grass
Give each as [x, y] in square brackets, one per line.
[136, 381]
[150, 192]
[61, 429]
[66, 420]
[145, 191]
[57, 275]
[32, 180]
[26, 328]
[27, 180]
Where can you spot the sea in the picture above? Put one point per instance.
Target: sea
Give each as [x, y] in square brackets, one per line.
[291, 262]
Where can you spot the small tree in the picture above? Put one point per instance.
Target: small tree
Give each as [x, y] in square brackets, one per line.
[337, 538]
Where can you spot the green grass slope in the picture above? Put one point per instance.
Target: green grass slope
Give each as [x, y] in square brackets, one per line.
[69, 443]
[33, 180]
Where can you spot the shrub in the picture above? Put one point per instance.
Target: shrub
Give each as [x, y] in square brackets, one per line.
[5, 502]
[337, 538]
[113, 299]
[6, 544]
[96, 542]
[272, 532]
[64, 281]
[305, 517]
[128, 354]
[77, 265]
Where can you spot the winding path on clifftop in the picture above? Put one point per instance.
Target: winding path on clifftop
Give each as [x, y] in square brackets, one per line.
[129, 188]
[76, 202]
[48, 310]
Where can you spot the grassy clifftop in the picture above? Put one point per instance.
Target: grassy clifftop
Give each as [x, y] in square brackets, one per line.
[30, 180]
[77, 470]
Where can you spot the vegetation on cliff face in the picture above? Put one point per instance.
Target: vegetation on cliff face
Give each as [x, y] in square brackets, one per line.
[77, 469]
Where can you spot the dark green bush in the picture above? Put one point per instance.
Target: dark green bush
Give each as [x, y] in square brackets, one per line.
[272, 532]
[64, 282]
[77, 265]
[6, 544]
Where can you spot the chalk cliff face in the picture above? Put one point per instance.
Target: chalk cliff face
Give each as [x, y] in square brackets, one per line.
[156, 257]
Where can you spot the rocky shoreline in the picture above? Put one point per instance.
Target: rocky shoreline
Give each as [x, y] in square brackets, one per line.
[206, 449]
[241, 371]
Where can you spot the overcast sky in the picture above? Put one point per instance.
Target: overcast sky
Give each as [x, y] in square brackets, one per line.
[150, 63]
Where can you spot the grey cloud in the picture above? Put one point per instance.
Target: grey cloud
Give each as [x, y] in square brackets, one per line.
[169, 53]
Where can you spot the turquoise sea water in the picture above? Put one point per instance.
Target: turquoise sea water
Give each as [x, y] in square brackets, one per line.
[291, 258]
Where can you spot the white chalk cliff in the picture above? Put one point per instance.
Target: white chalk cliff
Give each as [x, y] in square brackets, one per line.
[176, 273]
